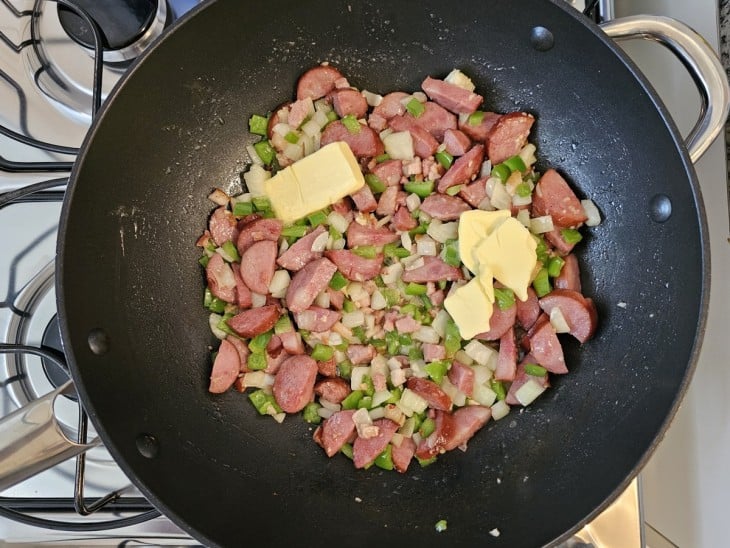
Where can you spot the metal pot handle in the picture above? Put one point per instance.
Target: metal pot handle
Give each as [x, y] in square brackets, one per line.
[32, 440]
[698, 58]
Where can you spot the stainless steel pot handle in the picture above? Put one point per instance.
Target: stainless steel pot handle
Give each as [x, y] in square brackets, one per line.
[699, 59]
[32, 440]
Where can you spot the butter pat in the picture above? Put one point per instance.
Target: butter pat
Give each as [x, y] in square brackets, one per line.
[470, 305]
[474, 226]
[314, 182]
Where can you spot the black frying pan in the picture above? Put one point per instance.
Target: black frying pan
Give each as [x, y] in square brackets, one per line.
[130, 288]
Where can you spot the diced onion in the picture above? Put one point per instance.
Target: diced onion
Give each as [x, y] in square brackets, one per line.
[486, 169]
[362, 421]
[377, 301]
[441, 232]
[282, 128]
[213, 321]
[357, 375]
[456, 395]
[413, 261]
[377, 412]
[325, 413]
[413, 202]
[380, 397]
[427, 334]
[279, 283]
[500, 410]
[339, 243]
[397, 416]
[523, 216]
[420, 96]
[482, 374]
[500, 198]
[320, 118]
[518, 200]
[540, 225]
[254, 155]
[528, 392]
[309, 144]
[254, 178]
[406, 241]
[399, 145]
[557, 320]
[440, 321]
[463, 357]
[391, 273]
[329, 405]
[460, 79]
[397, 377]
[407, 428]
[425, 245]
[594, 216]
[257, 300]
[528, 154]
[356, 291]
[373, 99]
[218, 197]
[480, 352]
[311, 128]
[338, 222]
[410, 400]
[353, 319]
[483, 394]
[294, 151]
[379, 366]
[258, 379]
[320, 242]
[323, 299]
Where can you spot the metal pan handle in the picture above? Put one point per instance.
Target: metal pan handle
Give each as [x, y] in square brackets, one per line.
[699, 59]
[32, 440]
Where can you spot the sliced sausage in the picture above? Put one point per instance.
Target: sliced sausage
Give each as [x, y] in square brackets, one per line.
[507, 358]
[317, 319]
[388, 201]
[545, 346]
[243, 351]
[529, 310]
[463, 169]
[336, 431]
[243, 293]
[317, 82]
[298, 112]
[292, 342]
[424, 144]
[226, 367]
[354, 267]
[300, 252]
[436, 120]
[309, 282]
[444, 207]
[508, 136]
[456, 142]
[436, 442]
[433, 270]
[580, 313]
[555, 238]
[462, 376]
[431, 392]
[474, 193]
[499, 323]
[364, 143]
[403, 220]
[358, 234]
[389, 172]
[294, 383]
[349, 101]
[256, 231]
[365, 450]
[254, 321]
[223, 226]
[403, 454]
[360, 353]
[480, 132]
[450, 96]
[391, 105]
[569, 277]
[221, 281]
[553, 196]
[364, 200]
[328, 368]
[258, 264]
[466, 421]
[333, 389]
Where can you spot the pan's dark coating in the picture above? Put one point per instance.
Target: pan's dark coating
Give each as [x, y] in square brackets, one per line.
[177, 127]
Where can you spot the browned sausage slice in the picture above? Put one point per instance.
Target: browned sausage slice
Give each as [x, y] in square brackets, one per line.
[424, 144]
[463, 169]
[258, 264]
[256, 231]
[499, 323]
[254, 321]
[569, 277]
[529, 310]
[308, 283]
[300, 252]
[349, 101]
[390, 171]
[480, 132]
[334, 389]
[225, 368]
[354, 267]
[553, 196]
[223, 226]
[444, 207]
[431, 392]
[358, 234]
[243, 293]
[461, 376]
[545, 346]
[317, 82]
[364, 200]
[365, 450]
[580, 313]
[336, 431]
[451, 97]
[402, 454]
[294, 383]
[364, 143]
[403, 220]
[433, 270]
[474, 193]
[436, 442]
[221, 280]
[316, 319]
[507, 359]
[466, 421]
[456, 142]
[436, 120]
[508, 136]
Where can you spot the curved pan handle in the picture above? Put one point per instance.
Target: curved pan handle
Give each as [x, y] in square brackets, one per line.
[699, 59]
[32, 440]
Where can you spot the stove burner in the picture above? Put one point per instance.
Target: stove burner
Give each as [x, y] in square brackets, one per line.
[56, 374]
[122, 23]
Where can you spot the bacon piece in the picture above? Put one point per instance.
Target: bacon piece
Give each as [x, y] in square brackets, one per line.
[364, 143]
[258, 264]
[444, 207]
[463, 169]
[403, 220]
[354, 267]
[450, 96]
[294, 383]
[462, 376]
[292, 342]
[499, 323]
[358, 234]
[508, 136]
[402, 454]
[256, 231]
[389, 172]
[309, 282]
[545, 346]
[349, 101]
[433, 270]
[332, 389]
[569, 277]
[529, 310]
[317, 319]
[254, 321]
[433, 352]
[431, 392]
[336, 431]
[223, 226]
[553, 196]
[317, 82]
[466, 421]
[364, 200]
[424, 144]
[480, 132]
[436, 120]
[507, 359]
[521, 378]
[407, 324]
[221, 281]
[580, 313]
[360, 353]
[456, 142]
[300, 252]
[365, 450]
[226, 367]
[474, 193]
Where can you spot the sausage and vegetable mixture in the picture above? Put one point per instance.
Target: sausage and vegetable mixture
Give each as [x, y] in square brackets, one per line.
[416, 293]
